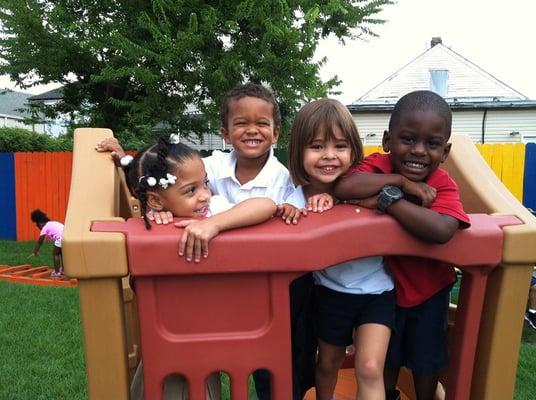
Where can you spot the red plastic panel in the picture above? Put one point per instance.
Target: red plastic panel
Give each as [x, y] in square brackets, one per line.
[318, 241]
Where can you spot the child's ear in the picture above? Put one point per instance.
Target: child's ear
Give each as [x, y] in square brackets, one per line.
[155, 201]
[225, 135]
[446, 152]
[277, 131]
[385, 141]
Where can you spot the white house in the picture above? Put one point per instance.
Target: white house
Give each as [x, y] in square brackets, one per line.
[483, 107]
[15, 109]
[13, 112]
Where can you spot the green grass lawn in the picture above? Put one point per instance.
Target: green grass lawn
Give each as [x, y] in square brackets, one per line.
[41, 349]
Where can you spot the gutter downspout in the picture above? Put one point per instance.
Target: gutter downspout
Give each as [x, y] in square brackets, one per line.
[484, 124]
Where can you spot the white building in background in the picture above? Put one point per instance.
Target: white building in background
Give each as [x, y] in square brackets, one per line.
[57, 126]
[486, 109]
[14, 111]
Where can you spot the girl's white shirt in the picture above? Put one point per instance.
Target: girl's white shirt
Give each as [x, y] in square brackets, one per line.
[360, 276]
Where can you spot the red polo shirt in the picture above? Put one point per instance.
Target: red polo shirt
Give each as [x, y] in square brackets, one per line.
[417, 279]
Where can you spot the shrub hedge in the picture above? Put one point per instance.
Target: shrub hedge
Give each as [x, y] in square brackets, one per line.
[17, 139]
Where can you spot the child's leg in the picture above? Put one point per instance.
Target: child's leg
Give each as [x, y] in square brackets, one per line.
[330, 359]
[425, 385]
[370, 350]
[56, 256]
[395, 354]
[427, 326]
[304, 344]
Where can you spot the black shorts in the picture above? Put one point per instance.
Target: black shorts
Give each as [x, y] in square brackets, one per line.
[337, 313]
[420, 338]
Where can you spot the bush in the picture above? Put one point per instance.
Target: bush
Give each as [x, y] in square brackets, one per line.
[17, 139]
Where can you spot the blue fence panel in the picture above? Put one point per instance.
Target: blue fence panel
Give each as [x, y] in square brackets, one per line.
[8, 222]
[529, 184]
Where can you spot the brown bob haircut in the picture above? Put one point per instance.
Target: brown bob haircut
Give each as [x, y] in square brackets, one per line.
[320, 116]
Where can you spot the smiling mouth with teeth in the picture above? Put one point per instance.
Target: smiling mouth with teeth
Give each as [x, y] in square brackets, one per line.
[202, 210]
[413, 164]
[328, 168]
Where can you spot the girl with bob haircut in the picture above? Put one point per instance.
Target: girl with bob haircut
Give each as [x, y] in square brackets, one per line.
[355, 300]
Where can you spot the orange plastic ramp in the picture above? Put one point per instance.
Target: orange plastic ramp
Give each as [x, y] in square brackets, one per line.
[39, 276]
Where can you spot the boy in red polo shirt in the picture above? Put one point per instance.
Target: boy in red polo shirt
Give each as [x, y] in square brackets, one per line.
[408, 184]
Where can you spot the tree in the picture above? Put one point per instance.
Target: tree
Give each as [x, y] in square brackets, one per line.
[131, 64]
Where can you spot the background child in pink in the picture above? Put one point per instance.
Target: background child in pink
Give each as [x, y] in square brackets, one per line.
[50, 230]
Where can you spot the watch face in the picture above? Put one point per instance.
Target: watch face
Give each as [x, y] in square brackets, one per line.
[392, 191]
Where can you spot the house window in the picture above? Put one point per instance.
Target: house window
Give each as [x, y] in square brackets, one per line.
[439, 81]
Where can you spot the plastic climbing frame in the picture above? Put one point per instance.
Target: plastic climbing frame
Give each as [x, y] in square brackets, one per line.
[231, 312]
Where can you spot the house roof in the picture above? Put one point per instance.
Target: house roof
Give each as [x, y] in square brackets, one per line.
[54, 94]
[467, 83]
[11, 102]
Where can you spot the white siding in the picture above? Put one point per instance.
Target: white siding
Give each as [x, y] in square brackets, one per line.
[10, 122]
[371, 126]
[499, 124]
[210, 142]
[469, 123]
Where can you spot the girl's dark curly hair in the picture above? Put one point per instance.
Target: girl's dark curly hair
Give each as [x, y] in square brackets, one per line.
[39, 217]
[155, 161]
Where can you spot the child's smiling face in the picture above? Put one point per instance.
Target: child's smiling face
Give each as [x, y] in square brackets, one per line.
[418, 144]
[250, 128]
[189, 196]
[327, 158]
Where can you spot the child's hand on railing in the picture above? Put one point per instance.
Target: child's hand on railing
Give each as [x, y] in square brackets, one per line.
[112, 145]
[160, 217]
[194, 241]
[289, 213]
[320, 202]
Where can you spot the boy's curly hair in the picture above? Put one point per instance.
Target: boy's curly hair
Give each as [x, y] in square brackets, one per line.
[249, 89]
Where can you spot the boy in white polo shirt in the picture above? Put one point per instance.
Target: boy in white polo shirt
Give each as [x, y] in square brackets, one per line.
[251, 124]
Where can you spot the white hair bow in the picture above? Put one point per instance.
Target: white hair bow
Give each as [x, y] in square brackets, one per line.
[168, 180]
[174, 138]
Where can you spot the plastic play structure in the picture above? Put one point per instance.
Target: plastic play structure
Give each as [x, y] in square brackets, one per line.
[231, 312]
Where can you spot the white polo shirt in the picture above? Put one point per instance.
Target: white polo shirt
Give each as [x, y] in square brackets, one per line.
[273, 181]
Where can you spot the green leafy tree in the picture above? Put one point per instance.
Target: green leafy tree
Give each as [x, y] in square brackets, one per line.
[131, 65]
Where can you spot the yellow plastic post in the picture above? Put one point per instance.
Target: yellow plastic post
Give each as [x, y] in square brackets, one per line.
[506, 295]
[99, 262]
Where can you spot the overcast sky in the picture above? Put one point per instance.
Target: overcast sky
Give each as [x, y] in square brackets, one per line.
[498, 36]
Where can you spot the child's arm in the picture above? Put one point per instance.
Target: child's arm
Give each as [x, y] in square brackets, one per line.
[426, 224]
[421, 221]
[197, 234]
[37, 246]
[362, 185]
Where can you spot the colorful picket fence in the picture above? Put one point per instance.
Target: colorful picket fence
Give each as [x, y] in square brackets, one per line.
[42, 180]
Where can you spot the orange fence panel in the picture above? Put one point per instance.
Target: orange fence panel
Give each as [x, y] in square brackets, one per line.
[42, 180]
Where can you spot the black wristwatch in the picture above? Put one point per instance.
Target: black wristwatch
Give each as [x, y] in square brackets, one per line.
[388, 195]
